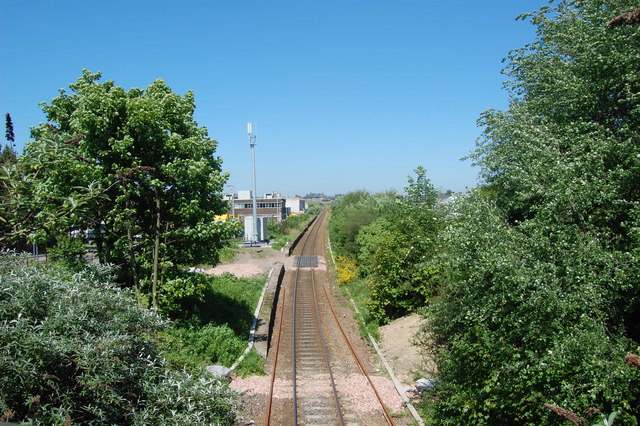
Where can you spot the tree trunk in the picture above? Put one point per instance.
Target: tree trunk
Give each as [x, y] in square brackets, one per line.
[156, 254]
[132, 261]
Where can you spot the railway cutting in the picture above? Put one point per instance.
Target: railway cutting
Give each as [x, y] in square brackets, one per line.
[311, 357]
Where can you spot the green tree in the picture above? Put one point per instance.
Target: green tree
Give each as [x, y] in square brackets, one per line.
[420, 190]
[155, 170]
[542, 299]
[393, 240]
[350, 213]
[9, 135]
[8, 158]
[8, 155]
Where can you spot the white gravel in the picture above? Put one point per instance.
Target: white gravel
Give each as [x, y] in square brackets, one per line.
[361, 397]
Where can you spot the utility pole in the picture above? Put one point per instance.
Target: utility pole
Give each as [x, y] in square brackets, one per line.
[252, 144]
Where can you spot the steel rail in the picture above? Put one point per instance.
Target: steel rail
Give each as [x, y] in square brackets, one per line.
[293, 327]
[275, 361]
[313, 231]
[312, 234]
[324, 347]
[359, 362]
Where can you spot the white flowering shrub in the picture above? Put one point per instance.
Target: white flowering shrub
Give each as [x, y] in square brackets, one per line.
[75, 348]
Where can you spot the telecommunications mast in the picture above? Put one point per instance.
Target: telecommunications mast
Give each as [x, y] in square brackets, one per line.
[252, 144]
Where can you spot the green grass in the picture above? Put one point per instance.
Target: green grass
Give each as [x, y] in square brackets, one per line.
[252, 365]
[214, 328]
[426, 407]
[359, 291]
[229, 251]
[280, 242]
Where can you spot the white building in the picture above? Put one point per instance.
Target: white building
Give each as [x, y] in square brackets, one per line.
[295, 205]
[244, 194]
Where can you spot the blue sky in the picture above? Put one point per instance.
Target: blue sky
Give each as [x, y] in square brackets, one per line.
[346, 94]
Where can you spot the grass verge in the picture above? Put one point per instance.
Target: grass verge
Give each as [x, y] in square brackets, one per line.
[213, 327]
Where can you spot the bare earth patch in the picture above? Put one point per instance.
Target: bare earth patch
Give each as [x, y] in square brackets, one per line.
[396, 342]
[252, 261]
[240, 270]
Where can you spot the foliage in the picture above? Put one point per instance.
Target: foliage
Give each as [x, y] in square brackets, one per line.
[252, 365]
[8, 134]
[522, 324]
[420, 190]
[542, 298]
[208, 299]
[135, 167]
[394, 241]
[283, 232]
[8, 158]
[398, 249]
[346, 269]
[212, 319]
[229, 250]
[299, 221]
[75, 349]
[275, 229]
[194, 348]
[359, 291]
[349, 213]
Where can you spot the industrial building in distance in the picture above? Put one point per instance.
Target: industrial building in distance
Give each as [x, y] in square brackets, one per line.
[271, 205]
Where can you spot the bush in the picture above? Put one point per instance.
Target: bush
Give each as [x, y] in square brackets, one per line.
[74, 348]
[525, 320]
[346, 269]
[394, 240]
[196, 347]
[212, 318]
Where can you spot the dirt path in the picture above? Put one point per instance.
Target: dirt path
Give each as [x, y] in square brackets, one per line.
[252, 261]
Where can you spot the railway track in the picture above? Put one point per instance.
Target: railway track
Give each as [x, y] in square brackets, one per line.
[311, 354]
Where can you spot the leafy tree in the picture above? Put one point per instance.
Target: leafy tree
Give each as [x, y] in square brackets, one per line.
[420, 190]
[393, 240]
[542, 299]
[47, 196]
[350, 213]
[152, 166]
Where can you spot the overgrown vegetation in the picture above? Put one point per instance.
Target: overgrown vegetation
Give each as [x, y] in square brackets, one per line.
[76, 349]
[130, 176]
[392, 240]
[131, 168]
[531, 285]
[211, 322]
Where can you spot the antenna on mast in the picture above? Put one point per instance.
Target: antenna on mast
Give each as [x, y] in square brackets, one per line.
[252, 144]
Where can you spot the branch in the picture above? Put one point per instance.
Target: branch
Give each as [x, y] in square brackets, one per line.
[124, 174]
[74, 140]
[629, 18]
[566, 414]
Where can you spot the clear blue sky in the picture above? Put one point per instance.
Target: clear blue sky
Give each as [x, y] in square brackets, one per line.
[346, 94]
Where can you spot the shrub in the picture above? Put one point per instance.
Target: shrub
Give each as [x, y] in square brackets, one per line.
[347, 269]
[525, 320]
[74, 348]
